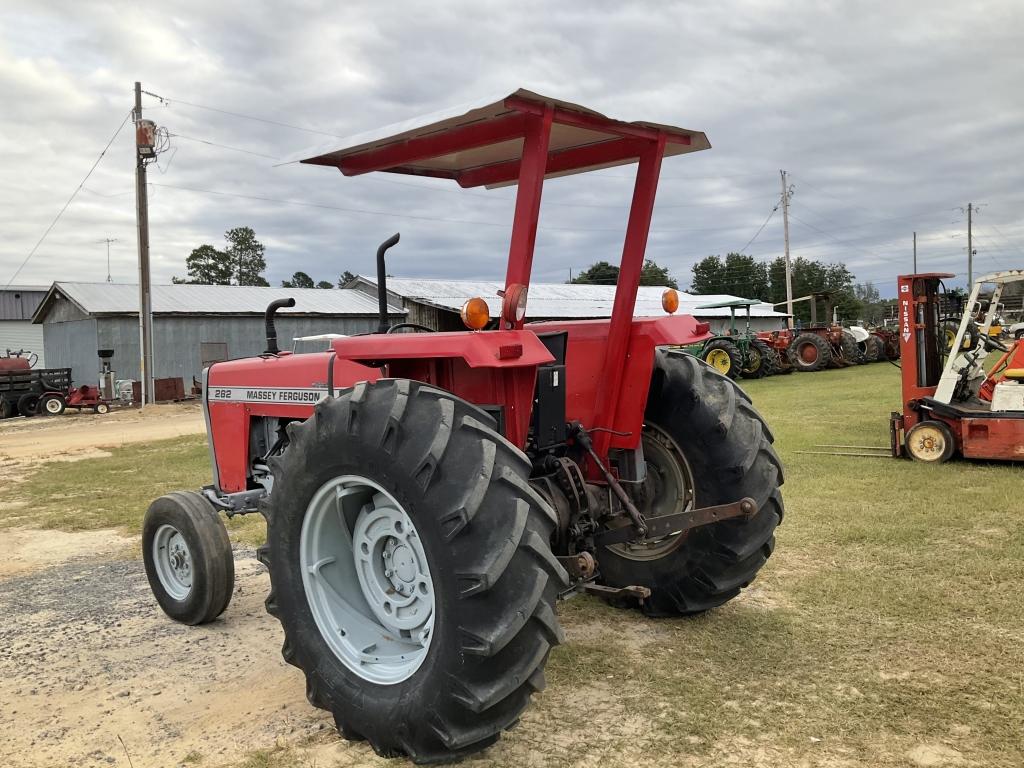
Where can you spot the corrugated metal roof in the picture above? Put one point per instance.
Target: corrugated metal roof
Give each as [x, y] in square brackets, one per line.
[123, 298]
[559, 300]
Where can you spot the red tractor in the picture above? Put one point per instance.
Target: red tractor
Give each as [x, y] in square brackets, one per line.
[819, 346]
[956, 402]
[430, 496]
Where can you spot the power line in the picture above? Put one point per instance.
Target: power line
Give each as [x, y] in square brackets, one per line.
[222, 146]
[760, 229]
[70, 199]
[167, 100]
[392, 214]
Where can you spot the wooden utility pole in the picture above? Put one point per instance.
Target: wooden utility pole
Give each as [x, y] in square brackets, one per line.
[970, 249]
[915, 253]
[145, 289]
[785, 234]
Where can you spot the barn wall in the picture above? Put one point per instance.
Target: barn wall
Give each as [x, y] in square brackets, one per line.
[72, 345]
[177, 341]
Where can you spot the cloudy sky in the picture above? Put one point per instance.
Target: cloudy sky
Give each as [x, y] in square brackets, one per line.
[887, 120]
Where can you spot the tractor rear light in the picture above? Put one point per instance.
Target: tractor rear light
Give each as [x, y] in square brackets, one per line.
[702, 328]
[513, 304]
[475, 313]
[510, 351]
[670, 300]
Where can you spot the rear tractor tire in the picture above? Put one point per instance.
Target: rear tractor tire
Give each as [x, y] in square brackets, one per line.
[809, 353]
[723, 356]
[704, 445]
[758, 363]
[187, 556]
[411, 569]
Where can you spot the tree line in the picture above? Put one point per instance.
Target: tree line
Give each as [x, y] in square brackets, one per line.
[242, 262]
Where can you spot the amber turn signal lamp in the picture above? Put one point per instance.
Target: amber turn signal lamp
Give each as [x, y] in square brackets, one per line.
[670, 300]
[475, 313]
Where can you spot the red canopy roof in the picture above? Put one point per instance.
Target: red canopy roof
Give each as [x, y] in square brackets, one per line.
[482, 143]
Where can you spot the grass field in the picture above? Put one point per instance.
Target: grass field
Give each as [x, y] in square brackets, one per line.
[887, 630]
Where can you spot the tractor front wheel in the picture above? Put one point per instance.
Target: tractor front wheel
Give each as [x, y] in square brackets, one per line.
[723, 356]
[187, 556]
[704, 445]
[411, 569]
[809, 352]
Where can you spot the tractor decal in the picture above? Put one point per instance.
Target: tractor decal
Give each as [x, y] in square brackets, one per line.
[268, 395]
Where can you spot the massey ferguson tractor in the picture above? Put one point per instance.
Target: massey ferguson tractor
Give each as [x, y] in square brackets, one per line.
[430, 496]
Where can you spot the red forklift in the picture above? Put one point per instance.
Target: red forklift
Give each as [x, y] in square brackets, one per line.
[957, 403]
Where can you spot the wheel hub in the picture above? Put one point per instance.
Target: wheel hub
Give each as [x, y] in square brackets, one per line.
[367, 580]
[172, 561]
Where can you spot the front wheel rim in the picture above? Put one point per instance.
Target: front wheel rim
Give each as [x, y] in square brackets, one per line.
[927, 443]
[172, 560]
[367, 580]
[53, 406]
[720, 360]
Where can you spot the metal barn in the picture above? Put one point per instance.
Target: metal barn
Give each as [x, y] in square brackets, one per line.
[193, 325]
[436, 303]
[17, 332]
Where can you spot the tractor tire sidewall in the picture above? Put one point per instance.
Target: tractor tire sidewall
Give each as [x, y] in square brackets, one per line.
[28, 404]
[821, 361]
[851, 352]
[404, 717]
[213, 565]
[728, 448]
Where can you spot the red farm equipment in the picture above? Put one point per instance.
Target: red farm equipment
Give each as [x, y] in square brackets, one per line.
[955, 402]
[429, 496]
[818, 346]
[779, 342]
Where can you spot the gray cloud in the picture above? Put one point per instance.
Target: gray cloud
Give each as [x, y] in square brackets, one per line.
[888, 120]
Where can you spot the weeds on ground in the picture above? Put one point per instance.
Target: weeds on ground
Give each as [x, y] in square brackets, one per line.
[115, 491]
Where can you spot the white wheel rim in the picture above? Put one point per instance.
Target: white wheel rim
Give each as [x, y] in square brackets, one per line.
[367, 580]
[53, 405]
[172, 561]
[927, 443]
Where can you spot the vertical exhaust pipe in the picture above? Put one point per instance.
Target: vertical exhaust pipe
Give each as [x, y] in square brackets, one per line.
[382, 284]
[268, 318]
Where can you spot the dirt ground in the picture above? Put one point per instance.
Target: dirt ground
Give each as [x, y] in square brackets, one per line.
[86, 657]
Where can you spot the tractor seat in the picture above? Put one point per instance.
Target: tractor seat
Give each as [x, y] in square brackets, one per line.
[1014, 374]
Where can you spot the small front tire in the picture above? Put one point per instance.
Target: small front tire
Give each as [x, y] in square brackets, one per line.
[188, 559]
[930, 442]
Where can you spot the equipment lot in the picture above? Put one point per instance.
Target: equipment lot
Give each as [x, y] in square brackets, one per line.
[887, 629]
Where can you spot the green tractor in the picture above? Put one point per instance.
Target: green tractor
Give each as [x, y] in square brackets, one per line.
[737, 353]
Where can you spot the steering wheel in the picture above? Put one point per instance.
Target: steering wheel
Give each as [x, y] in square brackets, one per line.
[415, 327]
[992, 344]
